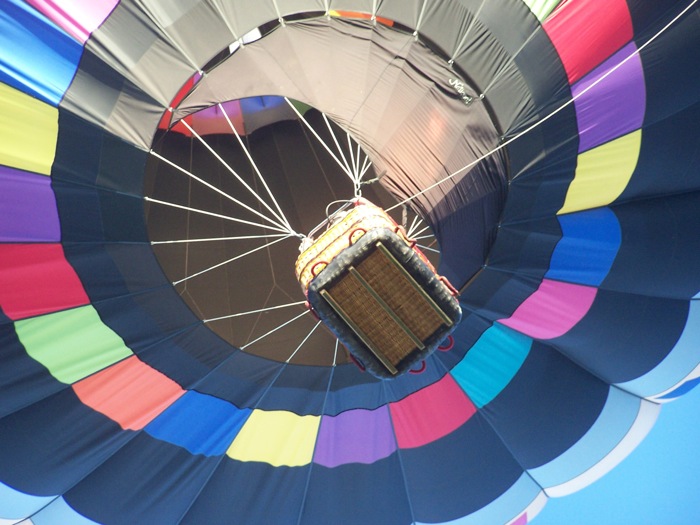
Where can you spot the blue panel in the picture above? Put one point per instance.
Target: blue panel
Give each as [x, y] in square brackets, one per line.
[506, 507]
[147, 481]
[255, 104]
[35, 56]
[547, 407]
[618, 416]
[276, 494]
[49, 446]
[355, 493]
[660, 251]
[201, 424]
[23, 380]
[624, 336]
[60, 512]
[460, 473]
[587, 248]
[670, 146]
[678, 365]
[672, 68]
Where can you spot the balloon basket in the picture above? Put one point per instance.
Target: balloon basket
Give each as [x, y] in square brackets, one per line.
[383, 302]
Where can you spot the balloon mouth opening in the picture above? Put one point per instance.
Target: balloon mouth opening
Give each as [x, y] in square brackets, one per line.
[239, 183]
[226, 211]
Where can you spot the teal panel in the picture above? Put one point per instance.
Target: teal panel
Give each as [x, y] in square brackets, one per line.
[491, 363]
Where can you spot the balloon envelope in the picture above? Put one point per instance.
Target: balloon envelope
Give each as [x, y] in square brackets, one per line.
[551, 148]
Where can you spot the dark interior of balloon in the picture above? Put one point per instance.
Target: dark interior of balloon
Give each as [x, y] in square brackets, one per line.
[418, 137]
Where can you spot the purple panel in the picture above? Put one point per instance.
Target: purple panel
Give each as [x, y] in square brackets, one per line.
[356, 436]
[27, 207]
[613, 107]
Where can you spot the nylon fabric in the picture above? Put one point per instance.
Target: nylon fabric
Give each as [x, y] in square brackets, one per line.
[574, 248]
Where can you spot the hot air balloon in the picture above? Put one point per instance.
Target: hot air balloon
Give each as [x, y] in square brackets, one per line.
[157, 363]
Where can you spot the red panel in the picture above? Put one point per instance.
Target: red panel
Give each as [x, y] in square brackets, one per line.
[366, 16]
[586, 32]
[431, 413]
[165, 119]
[129, 392]
[37, 279]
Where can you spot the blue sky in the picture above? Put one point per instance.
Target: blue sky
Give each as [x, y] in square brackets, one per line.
[658, 484]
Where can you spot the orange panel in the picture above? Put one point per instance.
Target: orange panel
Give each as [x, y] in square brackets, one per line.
[129, 392]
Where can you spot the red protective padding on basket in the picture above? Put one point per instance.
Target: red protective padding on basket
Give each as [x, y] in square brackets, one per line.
[37, 279]
[586, 32]
[129, 392]
[430, 413]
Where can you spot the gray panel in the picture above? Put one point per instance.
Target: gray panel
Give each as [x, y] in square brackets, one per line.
[520, 22]
[245, 15]
[385, 87]
[360, 6]
[196, 28]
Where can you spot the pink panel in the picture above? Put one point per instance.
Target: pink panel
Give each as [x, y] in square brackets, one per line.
[552, 310]
[37, 279]
[431, 413]
[77, 18]
[129, 392]
[522, 520]
[586, 32]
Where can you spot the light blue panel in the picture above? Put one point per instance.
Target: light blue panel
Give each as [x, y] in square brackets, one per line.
[491, 363]
[15, 505]
[587, 249]
[675, 369]
[36, 56]
[615, 420]
[60, 512]
[504, 508]
[199, 423]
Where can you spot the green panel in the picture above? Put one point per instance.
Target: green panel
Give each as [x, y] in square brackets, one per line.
[72, 344]
[491, 363]
[542, 8]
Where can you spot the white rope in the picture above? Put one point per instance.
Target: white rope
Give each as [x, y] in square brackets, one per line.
[352, 158]
[219, 191]
[547, 117]
[335, 140]
[274, 330]
[259, 311]
[279, 13]
[420, 19]
[212, 239]
[323, 143]
[414, 224]
[217, 215]
[231, 170]
[267, 245]
[335, 353]
[467, 31]
[423, 237]
[428, 248]
[255, 167]
[367, 164]
[304, 341]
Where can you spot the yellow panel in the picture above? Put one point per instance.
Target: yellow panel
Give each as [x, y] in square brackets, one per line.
[276, 437]
[602, 173]
[28, 131]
